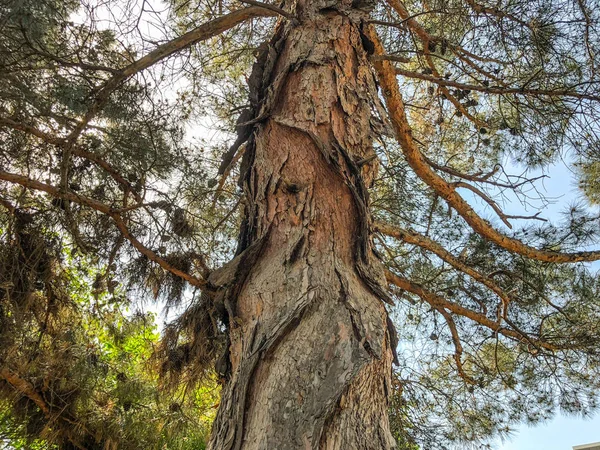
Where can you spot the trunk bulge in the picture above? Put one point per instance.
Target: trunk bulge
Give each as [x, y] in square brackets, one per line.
[310, 354]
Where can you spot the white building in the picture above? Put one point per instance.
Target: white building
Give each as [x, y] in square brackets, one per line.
[594, 446]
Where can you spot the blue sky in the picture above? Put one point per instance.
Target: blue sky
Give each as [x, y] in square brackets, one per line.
[561, 433]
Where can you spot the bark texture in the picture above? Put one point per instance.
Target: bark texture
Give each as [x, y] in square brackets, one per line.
[310, 354]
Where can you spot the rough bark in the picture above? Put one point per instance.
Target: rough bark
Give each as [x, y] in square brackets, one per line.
[310, 354]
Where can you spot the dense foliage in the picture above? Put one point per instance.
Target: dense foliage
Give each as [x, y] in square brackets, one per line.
[76, 361]
[113, 192]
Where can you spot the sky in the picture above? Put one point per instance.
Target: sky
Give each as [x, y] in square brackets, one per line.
[561, 433]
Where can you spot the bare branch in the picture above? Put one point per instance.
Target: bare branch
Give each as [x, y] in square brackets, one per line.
[485, 198]
[458, 349]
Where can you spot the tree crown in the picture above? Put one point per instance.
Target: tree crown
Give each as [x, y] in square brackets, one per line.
[122, 129]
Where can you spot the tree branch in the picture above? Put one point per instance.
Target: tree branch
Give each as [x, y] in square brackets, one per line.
[416, 160]
[495, 89]
[414, 238]
[485, 198]
[25, 388]
[105, 209]
[458, 349]
[438, 302]
[281, 12]
[426, 38]
[201, 33]
[77, 151]
[491, 11]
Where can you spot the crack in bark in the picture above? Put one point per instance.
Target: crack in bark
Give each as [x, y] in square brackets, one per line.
[266, 346]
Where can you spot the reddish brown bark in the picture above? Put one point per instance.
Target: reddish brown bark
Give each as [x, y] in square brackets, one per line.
[310, 351]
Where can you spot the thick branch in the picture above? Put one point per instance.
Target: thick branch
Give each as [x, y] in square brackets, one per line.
[201, 33]
[416, 160]
[25, 388]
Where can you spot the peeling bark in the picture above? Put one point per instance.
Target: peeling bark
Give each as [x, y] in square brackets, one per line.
[310, 350]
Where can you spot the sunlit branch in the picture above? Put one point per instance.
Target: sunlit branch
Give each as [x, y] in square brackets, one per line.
[105, 209]
[446, 190]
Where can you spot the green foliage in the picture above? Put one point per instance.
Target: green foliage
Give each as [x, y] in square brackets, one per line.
[74, 343]
[589, 172]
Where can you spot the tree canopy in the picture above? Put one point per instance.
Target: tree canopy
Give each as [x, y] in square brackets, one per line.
[122, 136]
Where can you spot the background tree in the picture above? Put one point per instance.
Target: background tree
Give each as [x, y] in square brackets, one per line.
[364, 134]
[75, 365]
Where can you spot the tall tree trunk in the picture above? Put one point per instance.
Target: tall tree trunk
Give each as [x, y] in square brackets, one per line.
[310, 352]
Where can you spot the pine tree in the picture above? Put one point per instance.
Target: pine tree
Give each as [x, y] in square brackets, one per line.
[333, 206]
